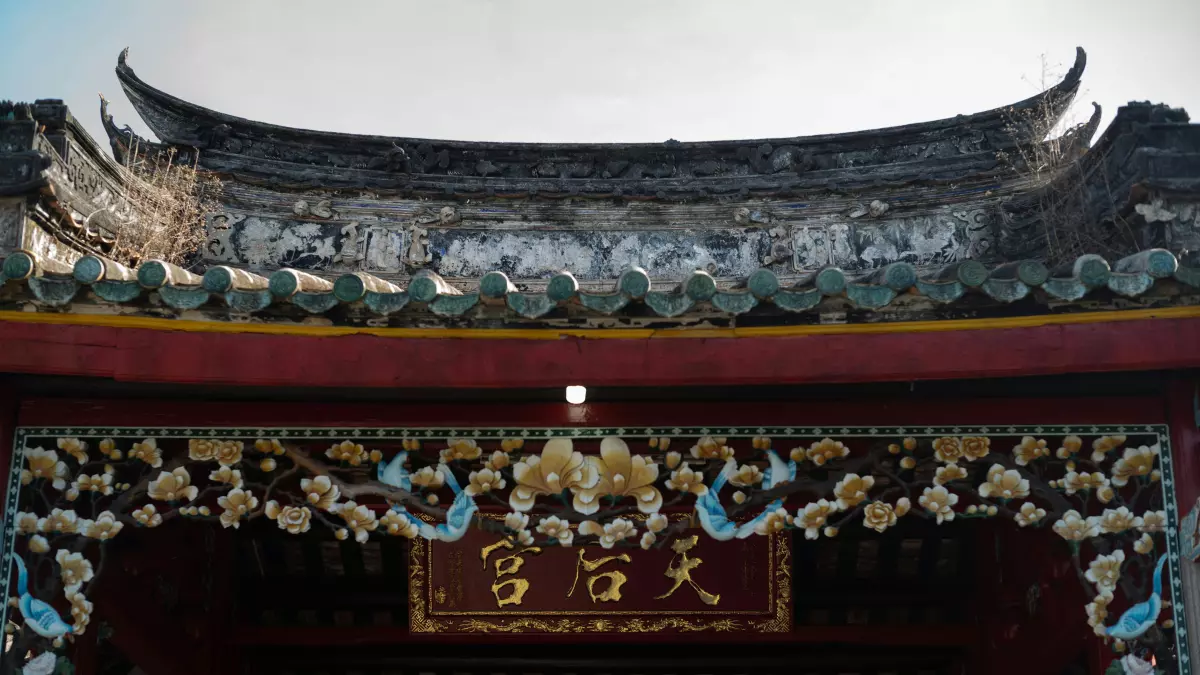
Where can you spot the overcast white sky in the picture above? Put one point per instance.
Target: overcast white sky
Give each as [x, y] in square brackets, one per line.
[617, 70]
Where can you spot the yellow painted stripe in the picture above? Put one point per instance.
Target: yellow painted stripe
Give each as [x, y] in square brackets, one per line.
[316, 330]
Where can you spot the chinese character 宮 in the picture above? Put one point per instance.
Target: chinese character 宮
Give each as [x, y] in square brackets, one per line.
[506, 566]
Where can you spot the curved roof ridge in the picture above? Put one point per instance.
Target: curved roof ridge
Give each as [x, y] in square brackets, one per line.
[1058, 96]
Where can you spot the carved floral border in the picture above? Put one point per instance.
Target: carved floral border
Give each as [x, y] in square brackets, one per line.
[677, 623]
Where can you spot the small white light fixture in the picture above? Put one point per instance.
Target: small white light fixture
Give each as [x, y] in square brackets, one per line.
[576, 394]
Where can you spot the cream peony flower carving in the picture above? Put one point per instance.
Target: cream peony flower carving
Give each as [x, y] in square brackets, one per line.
[38, 544]
[775, 521]
[510, 444]
[1115, 521]
[746, 475]
[27, 523]
[229, 452]
[516, 521]
[1004, 484]
[826, 450]
[147, 451]
[940, 502]
[1077, 482]
[879, 516]
[64, 522]
[498, 461]
[460, 449]
[227, 475]
[320, 492]
[851, 490]
[294, 519]
[1030, 514]
[347, 451]
[1105, 571]
[1097, 610]
[656, 523]
[558, 468]
[399, 525]
[709, 447]
[238, 503]
[813, 516]
[147, 516]
[75, 448]
[81, 612]
[44, 464]
[428, 477]
[686, 479]
[1074, 527]
[105, 526]
[101, 482]
[949, 472]
[648, 540]
[1104, 445]
[483, 481]
[975, 447]
[1135, 462]
[1029, 449]
[75, 569]
[556, 528]
[1070, 447]
[1153, 521]
[620, 474]
[360, 519]
[269, 446]
[1144, 545]
[615, 531]
[202, 449]
[947, 449]
[172, 487]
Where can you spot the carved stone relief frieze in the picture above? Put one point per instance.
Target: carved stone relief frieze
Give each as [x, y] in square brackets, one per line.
[12, 218]
[869, 243]
[598, 255]
[262, 242]
[1174, 225]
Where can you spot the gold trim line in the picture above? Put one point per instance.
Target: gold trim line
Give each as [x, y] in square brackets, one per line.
[190, 326]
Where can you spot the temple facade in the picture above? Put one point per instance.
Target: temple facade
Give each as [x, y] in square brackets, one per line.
[921, 399]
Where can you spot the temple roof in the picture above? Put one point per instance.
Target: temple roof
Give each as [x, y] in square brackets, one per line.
[950, 149]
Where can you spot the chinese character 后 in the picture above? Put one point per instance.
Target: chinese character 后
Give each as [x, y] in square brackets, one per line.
[508, 565]
[615, 578]
[682, 571]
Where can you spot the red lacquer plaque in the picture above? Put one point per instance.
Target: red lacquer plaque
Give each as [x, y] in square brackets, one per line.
[482, 583]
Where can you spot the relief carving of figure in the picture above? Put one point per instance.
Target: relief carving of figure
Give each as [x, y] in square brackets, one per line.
[418, 246]
[348, 253]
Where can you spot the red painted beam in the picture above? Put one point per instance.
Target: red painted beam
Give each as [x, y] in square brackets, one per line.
[145, 355]
[1185, 440]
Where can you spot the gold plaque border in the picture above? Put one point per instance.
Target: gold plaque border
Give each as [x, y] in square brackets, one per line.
[778, 620]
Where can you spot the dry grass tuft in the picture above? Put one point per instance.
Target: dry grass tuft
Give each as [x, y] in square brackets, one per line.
[172, 199]
[1069, 220]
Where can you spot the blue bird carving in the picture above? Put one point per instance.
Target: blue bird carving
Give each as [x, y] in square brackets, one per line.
[458, 516]
[710, 511]
[39, 616]
[1141, 617]
[394, 474]
[776, 474]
